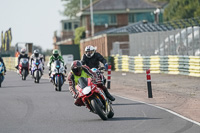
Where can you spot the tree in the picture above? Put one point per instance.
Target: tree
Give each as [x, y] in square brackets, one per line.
[79, 34]
[182, 9]
[72, 7]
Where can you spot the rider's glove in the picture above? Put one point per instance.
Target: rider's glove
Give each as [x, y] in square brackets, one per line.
[75, 95]
[106, 66]
[97, 81]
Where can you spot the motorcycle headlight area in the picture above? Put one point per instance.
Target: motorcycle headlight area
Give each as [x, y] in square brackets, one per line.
[55, 70]
[87, 90]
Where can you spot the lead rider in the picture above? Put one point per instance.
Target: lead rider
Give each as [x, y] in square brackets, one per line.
[78, 70]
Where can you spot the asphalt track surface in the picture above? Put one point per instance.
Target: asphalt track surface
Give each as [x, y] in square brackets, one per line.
[27, 107]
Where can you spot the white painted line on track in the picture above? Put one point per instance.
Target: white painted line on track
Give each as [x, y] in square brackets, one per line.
[170, 111]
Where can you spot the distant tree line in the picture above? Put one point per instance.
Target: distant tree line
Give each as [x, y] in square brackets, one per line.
[176, 9]
[72, 7]
[182, 9]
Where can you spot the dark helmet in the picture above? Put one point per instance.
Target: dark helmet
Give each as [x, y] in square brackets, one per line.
[55, 53]
[36, 53]
[76, 67]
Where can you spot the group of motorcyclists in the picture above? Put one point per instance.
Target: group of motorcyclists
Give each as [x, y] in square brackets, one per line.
[91, 59]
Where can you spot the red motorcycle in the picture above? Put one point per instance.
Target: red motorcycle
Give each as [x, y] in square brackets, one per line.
[94, 98]
[23, 68]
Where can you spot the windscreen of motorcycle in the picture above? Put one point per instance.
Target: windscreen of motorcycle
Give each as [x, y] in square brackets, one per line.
[82, 82]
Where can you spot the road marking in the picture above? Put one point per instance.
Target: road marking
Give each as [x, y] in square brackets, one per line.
[170, 111]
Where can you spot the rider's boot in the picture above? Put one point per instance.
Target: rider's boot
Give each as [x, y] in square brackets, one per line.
[108, 95]
[50, 79]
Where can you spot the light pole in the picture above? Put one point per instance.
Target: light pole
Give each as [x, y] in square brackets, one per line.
[81, 4]
[91, 17]
[156, 13]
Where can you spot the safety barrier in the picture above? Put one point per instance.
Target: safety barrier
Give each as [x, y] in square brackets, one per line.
[10, 62]
[184, 65]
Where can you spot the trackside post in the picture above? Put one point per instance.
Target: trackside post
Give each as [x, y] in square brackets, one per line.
[149, 83]
[109, 76]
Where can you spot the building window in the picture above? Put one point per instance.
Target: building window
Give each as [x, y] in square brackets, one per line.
[112, 19]
[131, 18]
[76, 25]
[102, 19]
[65, 26]
[144, 16]
[68, 26]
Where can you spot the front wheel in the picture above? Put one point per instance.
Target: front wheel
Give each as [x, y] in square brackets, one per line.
[1, 79]
[37, 77]
[23, 74]
[102, 114]
[111, 112]
[59, 83]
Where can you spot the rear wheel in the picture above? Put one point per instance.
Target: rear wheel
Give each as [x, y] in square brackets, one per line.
[102, 114]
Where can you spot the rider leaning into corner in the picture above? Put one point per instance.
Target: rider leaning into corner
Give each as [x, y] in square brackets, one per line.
[1, 60]
[78, 70]
[22, 55]
[53, 58]
[91, 58]
[36, 55]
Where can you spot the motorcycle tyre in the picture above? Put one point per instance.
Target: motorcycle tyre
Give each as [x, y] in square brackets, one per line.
[111, 113]
[37, 77]
[59, 84]
[98, 110]
[23, 74]
[0, 80]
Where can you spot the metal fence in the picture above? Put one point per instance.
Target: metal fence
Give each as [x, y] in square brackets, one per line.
[176, 42]
[181, 38]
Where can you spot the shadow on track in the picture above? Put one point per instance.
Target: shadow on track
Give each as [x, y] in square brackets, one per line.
[120, 104]
[130, 118]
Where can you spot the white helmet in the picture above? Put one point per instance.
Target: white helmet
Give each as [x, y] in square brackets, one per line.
[23, 51]
[89, 51]
[36, 53]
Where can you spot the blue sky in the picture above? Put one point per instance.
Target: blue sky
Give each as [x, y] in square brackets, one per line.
[31, 20]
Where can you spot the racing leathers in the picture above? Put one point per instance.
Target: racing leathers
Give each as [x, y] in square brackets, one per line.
[33, 57]
[93, 62]
[19, 57]
[86, 72]
[52, 59]
[1, 60]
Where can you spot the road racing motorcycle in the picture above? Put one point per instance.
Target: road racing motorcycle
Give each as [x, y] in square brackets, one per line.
[23, 68]
[94, 98]
[37, 70]
[57, 74]
[2, 71]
